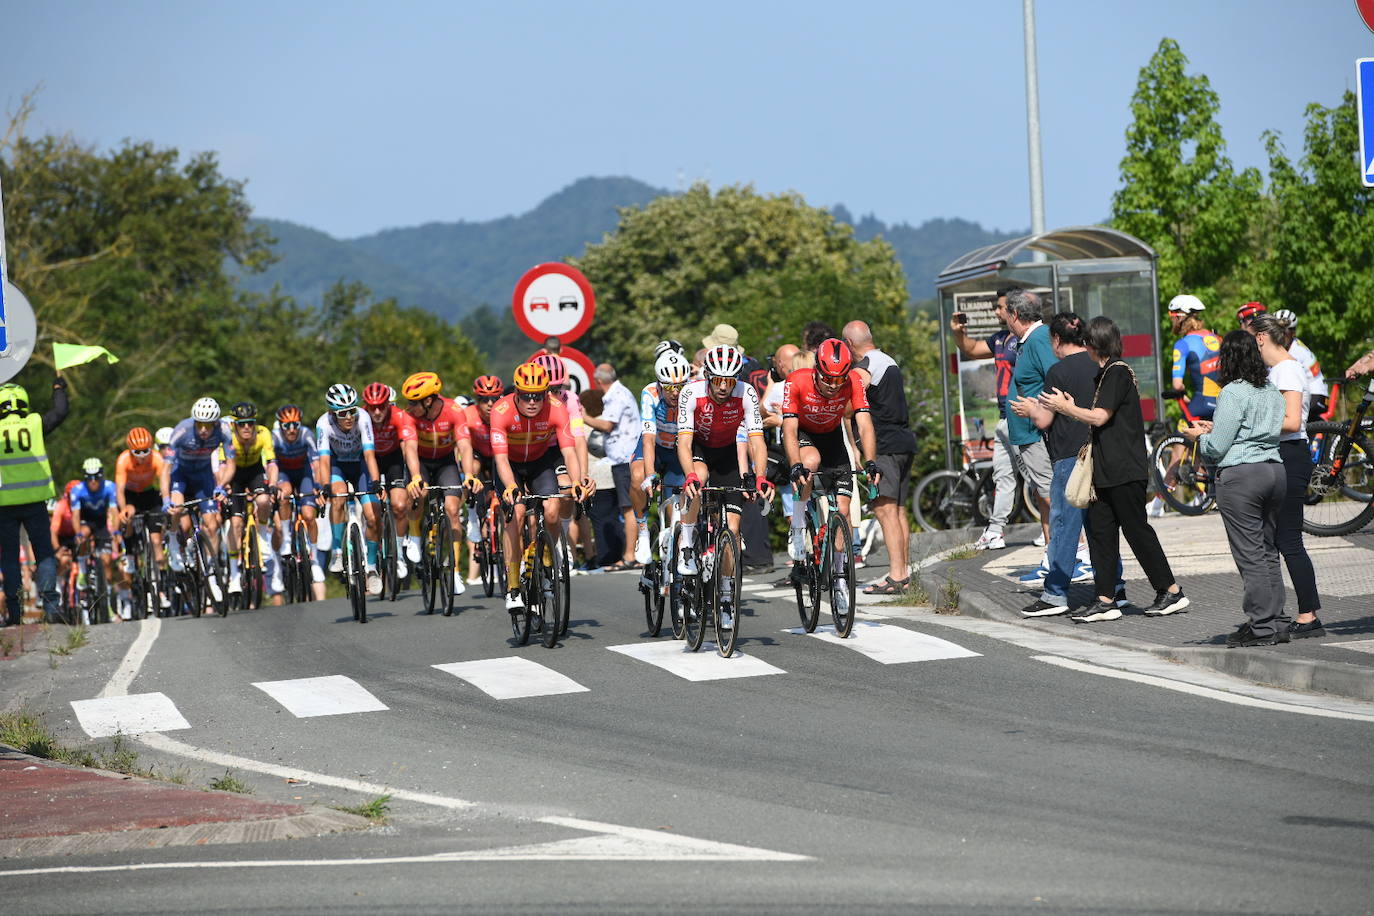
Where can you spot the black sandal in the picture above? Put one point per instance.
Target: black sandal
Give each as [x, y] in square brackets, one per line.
[889, 586]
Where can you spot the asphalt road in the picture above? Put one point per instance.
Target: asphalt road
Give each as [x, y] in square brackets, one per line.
[991, 782]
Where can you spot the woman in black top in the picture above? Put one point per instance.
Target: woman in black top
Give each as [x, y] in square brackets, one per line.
[1120, 470]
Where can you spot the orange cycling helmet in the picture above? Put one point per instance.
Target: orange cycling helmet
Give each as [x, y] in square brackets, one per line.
[487, 386]
[1250, 310]
[421, 385]
[139, 439]
[833, 359]
[554, 366]
[288, 413]
[377, 394]
[532, 378]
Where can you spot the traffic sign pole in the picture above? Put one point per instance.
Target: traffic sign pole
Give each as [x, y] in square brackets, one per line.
[1364, 105]
[4, 278]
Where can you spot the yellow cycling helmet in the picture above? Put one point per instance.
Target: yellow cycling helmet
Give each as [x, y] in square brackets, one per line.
[421, 385]
[531, 377]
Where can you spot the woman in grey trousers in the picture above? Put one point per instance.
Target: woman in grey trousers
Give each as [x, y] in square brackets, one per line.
[1243, 438]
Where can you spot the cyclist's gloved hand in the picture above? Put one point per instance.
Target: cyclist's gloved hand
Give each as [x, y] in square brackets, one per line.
[219, 492]
[585, 489]
[798, 473]
[416, 486]
[650, 482]
[750, 480]
[474, 484]
[166, 505]
[692, 484]
[764, 487]
[509, 494]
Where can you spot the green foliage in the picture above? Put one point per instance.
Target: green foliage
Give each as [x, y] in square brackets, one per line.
[1179, 191]
[230, 783]
[374, 810]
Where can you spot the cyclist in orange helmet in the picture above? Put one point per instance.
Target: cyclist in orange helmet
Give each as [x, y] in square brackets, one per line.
[445, 449]
[138, 469]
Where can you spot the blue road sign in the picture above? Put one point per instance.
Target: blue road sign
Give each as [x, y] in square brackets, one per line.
[1364, 80]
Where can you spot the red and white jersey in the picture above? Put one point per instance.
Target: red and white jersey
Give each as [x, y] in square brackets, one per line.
[398, 428]
[815, 412]
[716, 425]
[478, 431]
[439, 437]
[525, 438]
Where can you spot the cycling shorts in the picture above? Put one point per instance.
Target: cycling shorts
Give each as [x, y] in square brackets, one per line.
[834, 454]
[97, 520]
[722, 468]
[145, 501]
[246, 479]
[441, 472]
[354, 472]
[540, 476]
[393, 469]
[193, 483]
[302, 482]
[668, 468]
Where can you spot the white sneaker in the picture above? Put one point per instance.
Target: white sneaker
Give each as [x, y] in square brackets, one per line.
[796, 544]
[458, 586]
[215, 591]
[1039, 540]
[276, 586]
[474, 529]
[374, 581]
[1156, 508]
[514, 601]
[474, 580]
[401, 568]
[687, 561]
[316, 572]
[413, 550]
[990, 540]
[166, 600]
[235, 586]
[642, 552]
[336, 561]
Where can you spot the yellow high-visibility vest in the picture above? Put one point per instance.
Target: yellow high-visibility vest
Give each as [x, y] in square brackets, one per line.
[24, 473]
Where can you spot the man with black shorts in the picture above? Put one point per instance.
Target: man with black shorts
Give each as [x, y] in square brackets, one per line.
[441, 441]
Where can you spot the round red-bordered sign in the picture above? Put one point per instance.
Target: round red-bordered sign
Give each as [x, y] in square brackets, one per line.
[553, 300]
[1366, 10]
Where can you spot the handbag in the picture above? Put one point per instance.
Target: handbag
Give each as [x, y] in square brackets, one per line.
[1079, 490]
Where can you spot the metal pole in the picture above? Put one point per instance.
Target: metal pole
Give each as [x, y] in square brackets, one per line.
[1037, 178]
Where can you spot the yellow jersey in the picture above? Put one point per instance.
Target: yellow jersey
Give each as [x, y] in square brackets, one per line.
[259, 451]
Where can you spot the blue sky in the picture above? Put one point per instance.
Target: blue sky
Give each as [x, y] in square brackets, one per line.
[353, 117]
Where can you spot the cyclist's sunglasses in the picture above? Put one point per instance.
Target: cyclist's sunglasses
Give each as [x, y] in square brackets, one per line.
[488, 398]
[242, 423]
[291, 425]
[833, 380]
[140, 452]
[532, 397]
[347, 413]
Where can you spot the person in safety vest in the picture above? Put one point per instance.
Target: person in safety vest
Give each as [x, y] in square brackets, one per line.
[25, 487]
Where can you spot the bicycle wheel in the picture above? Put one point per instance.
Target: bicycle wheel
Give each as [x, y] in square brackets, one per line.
[839, 574]
[807, 586]
[205, 568]
[533, 595]
[302, 549]
[252, 572]
[727, 593]
[390, 554]
[674, 582]
[987, 498]
[357, 574]
[485, 558]
[446, 565]
[1192, 495]
[1340, 496]
[100, 601]
[429, 572]
[944, 500]
[694, 609]
[1026, 501]
[548, 570]
[565, 581]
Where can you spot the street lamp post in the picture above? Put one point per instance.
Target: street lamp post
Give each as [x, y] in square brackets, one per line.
[1037, 178]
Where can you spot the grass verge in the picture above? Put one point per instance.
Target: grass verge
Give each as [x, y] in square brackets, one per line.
[375, 810]
[26, 734]
[74, 639]
[230, 783]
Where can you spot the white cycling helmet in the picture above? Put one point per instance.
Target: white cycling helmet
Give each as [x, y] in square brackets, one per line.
[206, 410]
[163, 437]
[665, 345]
[724, 361]
[341, 397]
[1287, 318]
[671, 368]
[1185, 303]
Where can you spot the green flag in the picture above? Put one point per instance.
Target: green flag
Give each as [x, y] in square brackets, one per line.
[67, 355]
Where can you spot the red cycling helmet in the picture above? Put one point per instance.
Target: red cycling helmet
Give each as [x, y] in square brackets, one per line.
[377, 394]
[833, 359]
[1250, 310]
[554, 366]
[487, 386]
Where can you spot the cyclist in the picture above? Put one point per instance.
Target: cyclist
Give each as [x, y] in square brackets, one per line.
[814, 405]
[658, 441]
[525, 427]
[444, 448]
[95, 507]
[1316, 382]
[137, 472]
[398, 461]
[255, 468]
[486, 391]
[62, 530]
[710, 413]
[189, 474]
[163, 440]
[343, 436]
[559, 389]
[1196, 360]
[296, 453]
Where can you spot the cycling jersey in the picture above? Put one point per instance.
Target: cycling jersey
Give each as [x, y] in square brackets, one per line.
[658, 417]
[817, 412]
[294, 457]
[399, 427]
[256, 453]
[134, 476]
[343, 445]
[439, 437]
[1308, 360]
[573, 405]
[478, 431]
[525, 439]
[191, 452]
[92, 507]
[716, 425]
[1004, 346]
[1197, 355]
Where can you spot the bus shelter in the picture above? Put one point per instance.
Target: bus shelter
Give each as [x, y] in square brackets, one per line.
[1091, 270]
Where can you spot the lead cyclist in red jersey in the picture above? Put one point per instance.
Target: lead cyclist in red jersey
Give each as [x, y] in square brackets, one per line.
[710, 413]
[815, 403]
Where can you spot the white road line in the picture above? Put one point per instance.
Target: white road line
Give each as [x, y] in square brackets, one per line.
[891, 645]
[674, 657]
[119, 682]
[1358, 645]
[127, 714]
[512, 678]
[321, 696]
[1195, 690]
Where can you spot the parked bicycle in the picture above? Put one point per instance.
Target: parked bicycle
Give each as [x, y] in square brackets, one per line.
[1180, 475]
[1340, 496]
[946, 499]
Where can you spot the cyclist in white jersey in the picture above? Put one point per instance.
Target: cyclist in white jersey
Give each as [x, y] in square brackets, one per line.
[343, 436]
[1316, 382]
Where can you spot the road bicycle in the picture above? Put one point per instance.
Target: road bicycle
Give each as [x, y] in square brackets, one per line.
[1194, 491]
[297, 570]
[89, 592]
[947, 499]
[1340, 496]
[388, 548]
[659, 582]
[543, 575]
[437, 561]
[707, 594]
[150, 586]
[354, 551]
[490, 547]
[200, 561]
[250, 551]
[828, 566]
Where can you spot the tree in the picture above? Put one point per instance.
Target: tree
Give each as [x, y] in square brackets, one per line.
[1179, 192]
[1321, 259]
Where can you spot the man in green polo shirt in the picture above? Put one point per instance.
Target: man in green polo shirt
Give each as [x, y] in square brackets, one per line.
[1034, 357]
[25, 487]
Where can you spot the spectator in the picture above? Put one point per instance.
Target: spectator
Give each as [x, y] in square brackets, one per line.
[620, 422]
[814, 333]
[24, 491]
[1001, 347]
[1243, 439]
[1034, 356]
[1075, 373]
[553, 345]
[770, 405]
[1361, 366]
[896, 449]
[1120, 470]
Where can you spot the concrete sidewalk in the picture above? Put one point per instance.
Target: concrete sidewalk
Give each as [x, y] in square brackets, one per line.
[55, 809]
[1340, 663]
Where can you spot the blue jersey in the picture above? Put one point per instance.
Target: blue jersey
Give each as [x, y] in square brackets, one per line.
[88, 504]
[1197, 360]
[298, 456]
[658, 417]
[192, 453]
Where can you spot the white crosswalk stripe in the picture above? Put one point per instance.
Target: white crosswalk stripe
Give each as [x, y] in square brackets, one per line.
[512, 678]
[321, 696]
[133, 714]
[674, 657]
[890, 645]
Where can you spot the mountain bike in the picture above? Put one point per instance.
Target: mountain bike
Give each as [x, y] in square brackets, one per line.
[543, 576]
[437, 562]
[828, 566]
[1340, 496]
[709, 591]
[1194, 491]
